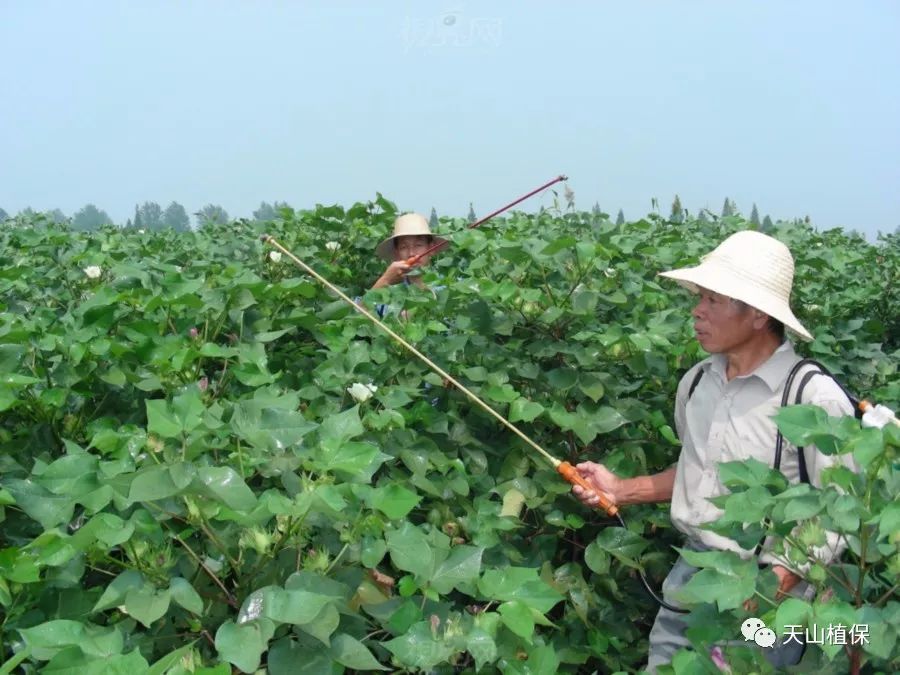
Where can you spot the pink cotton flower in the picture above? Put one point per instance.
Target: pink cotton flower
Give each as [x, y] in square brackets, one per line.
[203, 383]
[719, 659]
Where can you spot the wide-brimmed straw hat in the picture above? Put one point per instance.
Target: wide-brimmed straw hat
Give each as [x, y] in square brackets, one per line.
[752, 267]
[409, 224]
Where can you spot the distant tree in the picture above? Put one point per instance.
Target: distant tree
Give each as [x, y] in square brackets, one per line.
[128, 224]
[27, 212]
[176, 217]
[152, 216]
[211, 213]
[138, 222]
[727, 208]
[3, 215]
[620, 218]
[596, 209]
[57, 216]
[754, 216]
[90, 217]
[677, 214]
[702, 217]
[433, 221]
[767, 224]
[265, 212]
[472, 217]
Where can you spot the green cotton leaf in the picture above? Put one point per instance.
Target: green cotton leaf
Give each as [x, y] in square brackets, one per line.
[596, 558]
[800, 508]
[283, 606]
[727, 562]
[152, 484]
[146, 604]
[866, 446]
[188, 408]
[542, 660]
[418, 648]
[832, 613]
[709, 585]
[523, 410]
[791, 612]
[606, 419]
[39, 503]
[227, 486]
[106, 528]
[750, 506]
[168, 662]
[591, 386]
[184, 595]
[161, 420]
[519, 583]
[622, 544]
[845, 512]
[372, 552]
[462, 566]
[394, 500]
[516, 616]
[323, 625]
[750, 473]
[115, 593]
[410, 550]
[357, 461]
[71, 475]
[72, 661]
[562, 379]
[340, 428]
[47, 639]
[482, 647]
[241, 646]
[503, 393]
[559, 244]
[889, 520]
[287, 657]
[799, 423]
[19, 566]
[350, 652]
[272, 425]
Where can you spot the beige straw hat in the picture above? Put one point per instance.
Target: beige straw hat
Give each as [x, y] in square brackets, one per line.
[752, 267]
[406, 225]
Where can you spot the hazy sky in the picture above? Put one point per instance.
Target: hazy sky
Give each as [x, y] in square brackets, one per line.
[792, 105]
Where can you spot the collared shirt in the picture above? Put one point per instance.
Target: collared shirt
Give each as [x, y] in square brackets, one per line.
[728, 421]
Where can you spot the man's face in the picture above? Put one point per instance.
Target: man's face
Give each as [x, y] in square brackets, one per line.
[410, 245]
[721, 324]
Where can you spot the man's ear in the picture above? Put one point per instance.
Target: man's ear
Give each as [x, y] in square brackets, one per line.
[760, 319]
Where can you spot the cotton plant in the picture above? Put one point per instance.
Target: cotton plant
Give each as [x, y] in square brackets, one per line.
[93, 272]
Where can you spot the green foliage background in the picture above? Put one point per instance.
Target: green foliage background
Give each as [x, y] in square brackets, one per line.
[186, 484]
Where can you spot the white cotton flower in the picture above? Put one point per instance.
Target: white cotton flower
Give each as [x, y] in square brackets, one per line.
[610, 272]
[361, 392]
[141, 231]
[332, 246]
[275, 256]
[93, 272]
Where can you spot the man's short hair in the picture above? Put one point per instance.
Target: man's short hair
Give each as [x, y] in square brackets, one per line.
[773, 324]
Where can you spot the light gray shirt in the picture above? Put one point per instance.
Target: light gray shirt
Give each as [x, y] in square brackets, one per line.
[731, 421]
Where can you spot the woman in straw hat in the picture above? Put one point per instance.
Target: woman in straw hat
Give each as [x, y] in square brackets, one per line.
[723, 412]
[411, 237]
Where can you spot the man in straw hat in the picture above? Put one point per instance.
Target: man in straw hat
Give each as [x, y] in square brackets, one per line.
[740, 318]
[411, 237]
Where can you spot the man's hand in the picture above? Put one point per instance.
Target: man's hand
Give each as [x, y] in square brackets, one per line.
[786, 580]
[601, 479]
[393, 274]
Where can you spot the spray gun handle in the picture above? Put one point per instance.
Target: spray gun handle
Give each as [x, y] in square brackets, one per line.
[570, 473]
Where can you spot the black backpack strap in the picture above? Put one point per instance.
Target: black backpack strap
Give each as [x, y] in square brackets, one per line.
[694, 383]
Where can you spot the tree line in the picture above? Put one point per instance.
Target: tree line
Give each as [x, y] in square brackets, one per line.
[149, 216]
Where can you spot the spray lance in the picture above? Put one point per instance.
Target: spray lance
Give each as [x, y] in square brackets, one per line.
[412, 261]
